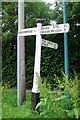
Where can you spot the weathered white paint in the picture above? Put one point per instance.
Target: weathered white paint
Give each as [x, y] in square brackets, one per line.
[56, 26]
[35, 88]
[49, 44]
[27, 32]
[50, 29]
[55, 29]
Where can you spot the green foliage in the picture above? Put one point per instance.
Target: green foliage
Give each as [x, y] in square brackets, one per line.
[29, 71]
[51, 64]
[0, 101]
[9, 17]
[5, 85]
[52, 61]
[9, 47]
[72, 88]
[50, 102]
[10, 108]
[63, 102]
[34, 10]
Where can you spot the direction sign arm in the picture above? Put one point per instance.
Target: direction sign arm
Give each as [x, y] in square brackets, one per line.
[49, 44]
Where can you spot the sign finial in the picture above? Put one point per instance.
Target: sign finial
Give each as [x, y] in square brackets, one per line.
[39, 20]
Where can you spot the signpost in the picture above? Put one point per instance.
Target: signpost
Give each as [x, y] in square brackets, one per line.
[35, 89]
[39, 31]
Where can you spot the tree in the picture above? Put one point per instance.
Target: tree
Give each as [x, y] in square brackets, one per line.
[52, 61]
[9, 29]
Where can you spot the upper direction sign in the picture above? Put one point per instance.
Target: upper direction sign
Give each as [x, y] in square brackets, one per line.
[49, 44]
[51, 29]
[54, 29]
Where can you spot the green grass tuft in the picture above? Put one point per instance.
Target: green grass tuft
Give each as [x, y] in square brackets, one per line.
[10, 108]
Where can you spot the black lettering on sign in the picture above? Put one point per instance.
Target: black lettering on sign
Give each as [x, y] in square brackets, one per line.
[21, 31]
[34, 30]
[64, 29]
[46, 31]
[65, 26]
[45, 28]
[51, 31]
[44, 43]
[55, 26]
[55, 46]
[29, 31]
[50, 43]
[58, 30]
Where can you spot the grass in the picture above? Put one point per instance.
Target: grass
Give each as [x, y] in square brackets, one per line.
[63, 103]
[0, 102]
[10, 108]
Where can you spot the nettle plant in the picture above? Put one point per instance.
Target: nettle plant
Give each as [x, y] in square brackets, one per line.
[62, 102]
[72, 89]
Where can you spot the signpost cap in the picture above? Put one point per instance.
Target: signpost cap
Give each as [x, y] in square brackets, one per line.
[39, 20]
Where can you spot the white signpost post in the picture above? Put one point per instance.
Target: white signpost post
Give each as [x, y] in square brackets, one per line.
[38, 31]
[35, 89]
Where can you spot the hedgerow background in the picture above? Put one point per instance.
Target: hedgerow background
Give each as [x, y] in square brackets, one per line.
[52, 61]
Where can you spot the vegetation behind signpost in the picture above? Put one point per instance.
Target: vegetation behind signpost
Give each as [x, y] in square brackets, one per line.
[52, 61]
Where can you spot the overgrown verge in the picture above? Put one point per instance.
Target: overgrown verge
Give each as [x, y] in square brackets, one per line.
[11, 110]
[63, 102]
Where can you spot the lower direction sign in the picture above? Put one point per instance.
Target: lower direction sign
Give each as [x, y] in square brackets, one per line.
[49, 44]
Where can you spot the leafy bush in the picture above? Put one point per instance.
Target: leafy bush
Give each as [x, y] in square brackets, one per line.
[63, 102]
[5, 86]
[10, 109]
[52, 61]
[29, 71]
[72, 88]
